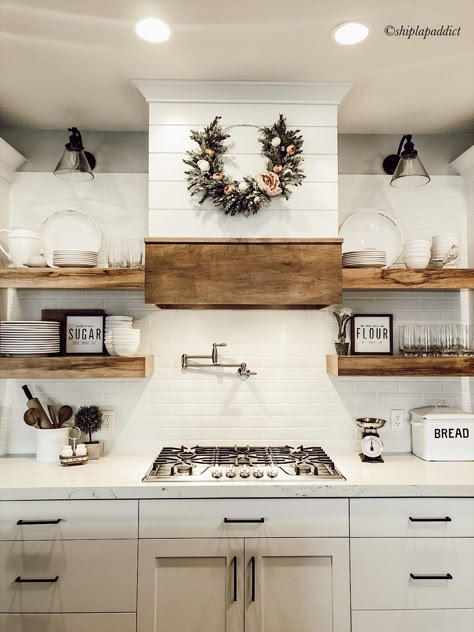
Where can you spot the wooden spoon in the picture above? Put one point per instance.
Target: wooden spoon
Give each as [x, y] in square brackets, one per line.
[64, 415]
[32, 417]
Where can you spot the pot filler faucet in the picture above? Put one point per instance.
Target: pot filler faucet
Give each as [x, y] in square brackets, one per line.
[242, 370]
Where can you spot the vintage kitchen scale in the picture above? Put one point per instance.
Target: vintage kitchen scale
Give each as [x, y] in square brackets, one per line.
[371, 443]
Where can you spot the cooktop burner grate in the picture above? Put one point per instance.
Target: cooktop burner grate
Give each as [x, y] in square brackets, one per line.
[241, 463]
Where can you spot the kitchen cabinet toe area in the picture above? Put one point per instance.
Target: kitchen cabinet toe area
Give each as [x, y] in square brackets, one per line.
[104, 622]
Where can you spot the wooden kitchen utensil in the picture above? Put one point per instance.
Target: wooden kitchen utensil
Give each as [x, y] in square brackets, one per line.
[52, 414]
[34, 402]
[32, 417]
[64, 415]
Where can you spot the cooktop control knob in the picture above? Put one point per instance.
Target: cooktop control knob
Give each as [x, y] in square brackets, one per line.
[216, 472]
[245, 472]
[231, 472]
[272, 472]
[258, 472]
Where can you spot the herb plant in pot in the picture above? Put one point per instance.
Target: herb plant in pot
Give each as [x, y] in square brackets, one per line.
[89, 419]
[343, 316]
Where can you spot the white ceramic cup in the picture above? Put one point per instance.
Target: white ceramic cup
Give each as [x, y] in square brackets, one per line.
[22, 245]
[49, 443]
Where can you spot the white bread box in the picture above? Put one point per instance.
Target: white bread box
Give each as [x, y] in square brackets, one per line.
[442, 433]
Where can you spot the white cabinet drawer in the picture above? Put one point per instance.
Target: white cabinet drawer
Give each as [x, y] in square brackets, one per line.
[412, 517]
[68, 519]
[244, 518]
[413, 621]
[92, 576]
[107, 622]
[382, 570]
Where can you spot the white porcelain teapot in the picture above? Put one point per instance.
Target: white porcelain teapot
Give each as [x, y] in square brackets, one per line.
[22, 245]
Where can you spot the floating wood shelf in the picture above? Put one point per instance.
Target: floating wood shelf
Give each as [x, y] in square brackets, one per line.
[399, 366]
[75, 367]
[72, 278]
[403, 279]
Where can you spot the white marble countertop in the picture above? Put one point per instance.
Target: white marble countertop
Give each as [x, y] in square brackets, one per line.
[119, 476]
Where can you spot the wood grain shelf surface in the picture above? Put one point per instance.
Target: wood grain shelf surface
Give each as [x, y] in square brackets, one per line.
[401, 366]
[72, 278]
[76, 367]
[403, 279]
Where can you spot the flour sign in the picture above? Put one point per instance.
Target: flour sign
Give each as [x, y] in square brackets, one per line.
[372, 334]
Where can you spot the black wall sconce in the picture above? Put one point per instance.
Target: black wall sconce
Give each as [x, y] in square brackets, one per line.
[75, 163]
[405, 166]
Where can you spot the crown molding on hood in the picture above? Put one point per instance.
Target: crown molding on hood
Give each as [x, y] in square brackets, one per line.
[10, 160]
[155, 90]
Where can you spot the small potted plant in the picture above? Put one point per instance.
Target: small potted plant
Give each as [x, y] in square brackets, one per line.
[89, 419]
[343, 317]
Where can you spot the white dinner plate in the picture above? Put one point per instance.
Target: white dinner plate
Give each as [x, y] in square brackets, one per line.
[372, 229]
[70, 230]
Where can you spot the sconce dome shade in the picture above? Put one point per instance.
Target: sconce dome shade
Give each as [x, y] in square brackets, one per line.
[409, 173]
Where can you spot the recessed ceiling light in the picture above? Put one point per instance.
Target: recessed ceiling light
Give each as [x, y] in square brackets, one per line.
[350, 33]
[153, 30]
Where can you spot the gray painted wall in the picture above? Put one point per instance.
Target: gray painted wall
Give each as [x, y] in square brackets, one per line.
[127, 152]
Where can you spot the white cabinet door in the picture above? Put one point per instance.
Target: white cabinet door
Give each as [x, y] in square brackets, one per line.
[191, 585]
[295, 584]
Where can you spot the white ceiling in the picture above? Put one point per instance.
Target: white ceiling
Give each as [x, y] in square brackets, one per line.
[67, 62]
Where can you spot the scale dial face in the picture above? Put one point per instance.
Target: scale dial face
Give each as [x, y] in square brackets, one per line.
[372, 446]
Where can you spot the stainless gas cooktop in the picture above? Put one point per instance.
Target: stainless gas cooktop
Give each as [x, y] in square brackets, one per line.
[241, 463]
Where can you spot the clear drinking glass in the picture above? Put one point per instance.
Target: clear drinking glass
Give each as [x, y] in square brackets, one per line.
[117, 253]
[134, 253]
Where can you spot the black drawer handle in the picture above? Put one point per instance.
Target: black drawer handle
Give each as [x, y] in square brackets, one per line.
[30, 522]
[244, 520]
[445, 519]
[40, 580]
[446, 576]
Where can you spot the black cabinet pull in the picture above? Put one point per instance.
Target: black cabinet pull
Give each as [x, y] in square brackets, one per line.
[252, 578]
[445, 576]
[40, 580]
[445, 519]
[234, 571]
[30, 522]
[244, 520]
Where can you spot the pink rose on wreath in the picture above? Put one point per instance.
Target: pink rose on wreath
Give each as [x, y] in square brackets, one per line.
[217, 176]
[291, 149]
[209, 152]
[277, 168]
[269, 183]
[229, 189]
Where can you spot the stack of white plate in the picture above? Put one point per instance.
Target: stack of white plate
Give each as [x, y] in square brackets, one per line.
[115, 322]
[369, 258]
[29, 337]
[445, 249]
[416, 254]
[75, 258]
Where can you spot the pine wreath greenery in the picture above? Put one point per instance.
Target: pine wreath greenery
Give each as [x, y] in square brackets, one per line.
[89, 419]
[282, 149]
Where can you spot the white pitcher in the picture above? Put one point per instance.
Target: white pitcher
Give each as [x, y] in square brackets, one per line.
[22, 245]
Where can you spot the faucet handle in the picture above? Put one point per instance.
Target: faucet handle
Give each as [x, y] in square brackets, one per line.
[214, 354]
[244, 372]
[219, 344]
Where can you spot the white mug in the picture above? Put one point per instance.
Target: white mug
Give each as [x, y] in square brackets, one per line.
[22, 245]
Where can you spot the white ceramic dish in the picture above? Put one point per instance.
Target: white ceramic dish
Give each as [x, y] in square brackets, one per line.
[70, 230]
[372, 229]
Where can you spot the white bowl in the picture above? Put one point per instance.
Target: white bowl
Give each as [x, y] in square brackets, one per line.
[416, 262]
[127, 350]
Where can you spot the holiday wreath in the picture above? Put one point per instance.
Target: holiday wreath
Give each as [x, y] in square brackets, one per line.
[282, 149]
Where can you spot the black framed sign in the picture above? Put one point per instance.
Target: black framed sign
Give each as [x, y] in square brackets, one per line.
[372, 334]
[82, 330]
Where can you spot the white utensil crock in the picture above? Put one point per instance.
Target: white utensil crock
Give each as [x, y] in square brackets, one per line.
[49, 444]
[22, 245]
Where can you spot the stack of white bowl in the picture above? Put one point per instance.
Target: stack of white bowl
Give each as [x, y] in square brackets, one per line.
[417, 253]
[120, 338]
[445, 249]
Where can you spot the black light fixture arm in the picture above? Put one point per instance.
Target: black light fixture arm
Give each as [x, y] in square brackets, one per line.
[75, 140]
[405, 148]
